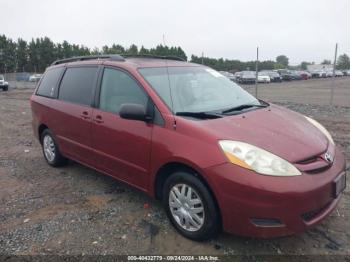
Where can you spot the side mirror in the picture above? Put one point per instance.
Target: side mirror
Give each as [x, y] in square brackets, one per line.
[134, 112]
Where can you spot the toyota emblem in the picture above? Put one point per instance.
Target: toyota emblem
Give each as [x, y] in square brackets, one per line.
[328, 157]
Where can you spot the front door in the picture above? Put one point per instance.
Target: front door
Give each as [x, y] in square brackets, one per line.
[122, 147]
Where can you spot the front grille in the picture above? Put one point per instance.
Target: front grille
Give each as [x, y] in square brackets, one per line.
[313, 165]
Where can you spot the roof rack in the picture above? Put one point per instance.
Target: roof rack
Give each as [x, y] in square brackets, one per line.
[91, 57]
[155, 57]
[113, 58]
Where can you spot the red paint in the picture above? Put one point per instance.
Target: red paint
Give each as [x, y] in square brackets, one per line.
[134, 151]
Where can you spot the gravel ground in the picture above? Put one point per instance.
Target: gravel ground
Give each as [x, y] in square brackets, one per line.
[75, 210]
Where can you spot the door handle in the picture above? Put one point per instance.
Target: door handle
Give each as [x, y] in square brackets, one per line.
[98, 119]
[85, 115]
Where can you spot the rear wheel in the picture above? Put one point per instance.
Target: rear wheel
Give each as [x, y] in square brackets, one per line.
[51, 151]
[190, 206]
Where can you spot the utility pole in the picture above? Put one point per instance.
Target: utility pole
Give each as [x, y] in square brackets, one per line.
[164, 39]
[333, 77]
[256, 72]
[2, 59]
[202, 58]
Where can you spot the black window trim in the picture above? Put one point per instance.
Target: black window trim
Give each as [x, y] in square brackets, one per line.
[94, 85]
[58, 83]
[96, 103]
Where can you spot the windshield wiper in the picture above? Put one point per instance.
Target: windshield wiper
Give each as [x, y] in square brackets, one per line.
[241, 107]
[201, 115]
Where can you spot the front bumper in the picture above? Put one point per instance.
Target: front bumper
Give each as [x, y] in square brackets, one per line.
[267, 206]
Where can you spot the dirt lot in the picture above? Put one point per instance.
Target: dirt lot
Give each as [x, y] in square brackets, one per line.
[75, 210]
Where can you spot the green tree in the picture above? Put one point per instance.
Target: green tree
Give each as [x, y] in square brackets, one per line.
[304, 65]
[33, 56]
[133, 50]
[282, 60]
[143, 51]
[326, 62]
[22, 55]
[8, 61]
[343, 62]
[46, 51]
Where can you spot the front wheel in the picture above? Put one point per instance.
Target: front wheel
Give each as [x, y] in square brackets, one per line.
[5, 88]
[190, 207]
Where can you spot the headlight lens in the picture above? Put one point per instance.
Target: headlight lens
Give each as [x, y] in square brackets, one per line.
[257, 159]
[321, 128]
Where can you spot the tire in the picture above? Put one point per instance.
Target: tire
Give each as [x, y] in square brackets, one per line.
[5, 88]
[210, 217]
[48, 143]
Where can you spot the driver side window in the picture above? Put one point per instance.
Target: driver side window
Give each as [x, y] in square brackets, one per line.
[118, 88]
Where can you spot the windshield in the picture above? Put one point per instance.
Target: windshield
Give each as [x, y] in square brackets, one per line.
[195, 89]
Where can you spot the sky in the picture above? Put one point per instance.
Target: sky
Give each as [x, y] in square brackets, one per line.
[302, 30]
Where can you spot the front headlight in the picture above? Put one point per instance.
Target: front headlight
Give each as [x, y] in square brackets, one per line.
[257, 159]
[321, 128]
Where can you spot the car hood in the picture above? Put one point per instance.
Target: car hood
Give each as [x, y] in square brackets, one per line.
[276, 129]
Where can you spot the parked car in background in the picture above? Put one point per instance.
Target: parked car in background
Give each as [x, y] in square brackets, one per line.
[329, 73]
[346, 72]
[228, 75]
[247, 77]
[295, 75]
[237, 75]
[318, 73]
[274, 76]
[338, 73]
[217, 157]
[286, 75]
[304, 75]
[35, 78]
[3, 84]
[263, 78]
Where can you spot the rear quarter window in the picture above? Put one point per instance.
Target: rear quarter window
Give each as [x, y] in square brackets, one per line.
[77, 85]
[48, 85]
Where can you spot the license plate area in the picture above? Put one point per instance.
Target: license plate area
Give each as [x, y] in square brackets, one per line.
[339, 184]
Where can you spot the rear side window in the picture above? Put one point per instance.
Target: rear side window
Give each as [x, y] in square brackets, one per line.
[48, 84]
[77, 85]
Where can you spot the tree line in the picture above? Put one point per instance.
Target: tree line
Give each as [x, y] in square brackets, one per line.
[37, 54]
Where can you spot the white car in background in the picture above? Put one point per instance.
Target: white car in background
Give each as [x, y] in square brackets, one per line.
[318, 73]
[3, 84]
[329, 73]
[338, 73]
[263, 78]
[228, 75]
[35, 78]
[346, 72]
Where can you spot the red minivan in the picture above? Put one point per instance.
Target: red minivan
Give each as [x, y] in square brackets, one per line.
[217, 157]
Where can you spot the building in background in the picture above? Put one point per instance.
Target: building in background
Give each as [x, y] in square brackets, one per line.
[319, 67]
